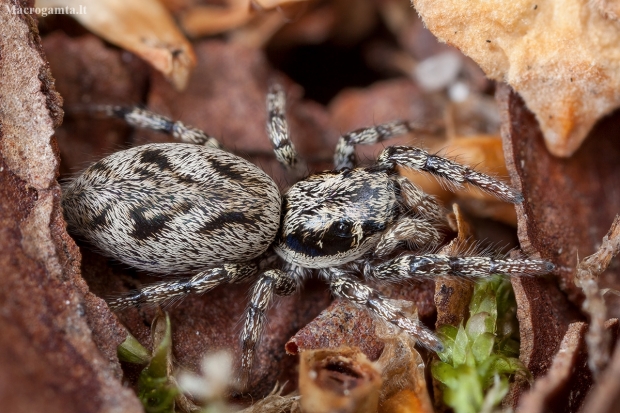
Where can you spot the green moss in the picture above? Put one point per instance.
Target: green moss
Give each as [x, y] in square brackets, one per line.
[481, 357]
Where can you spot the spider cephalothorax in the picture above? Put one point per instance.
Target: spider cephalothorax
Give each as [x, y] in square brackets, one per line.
[335, 217]
[193, 208]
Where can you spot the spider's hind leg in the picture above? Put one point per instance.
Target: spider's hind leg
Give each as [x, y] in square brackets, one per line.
[142, 118]
[169, 291]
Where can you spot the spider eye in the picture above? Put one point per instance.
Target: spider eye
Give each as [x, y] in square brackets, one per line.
[342, 229]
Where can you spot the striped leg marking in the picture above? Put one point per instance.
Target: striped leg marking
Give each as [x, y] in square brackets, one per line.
[277, 127]
[141, 118]
[452, 172]
[433, 265]
[362, 295]
[271, 282]
[344, 157]
[168, 291]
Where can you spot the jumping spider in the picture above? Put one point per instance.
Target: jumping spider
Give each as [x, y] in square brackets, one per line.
[192, 208]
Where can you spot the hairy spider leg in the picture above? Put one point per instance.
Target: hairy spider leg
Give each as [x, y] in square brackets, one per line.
[452, 172]
[165, 292]
[362, 295]
[269, 283]
[142, 118]
[344, 157]
[408, 267]
[278, 131]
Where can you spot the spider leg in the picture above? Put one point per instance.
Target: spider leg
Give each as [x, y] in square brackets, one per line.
[418, 232]
[432, 265]
[457, 174]
[269, 283]
[344, 157]
[278, 131]
[353, 290]
[417, 201]
[168, 291]
[141, 118]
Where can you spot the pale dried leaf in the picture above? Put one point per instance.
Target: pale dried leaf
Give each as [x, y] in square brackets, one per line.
[209, 20]
[563, 57]
[607, 8]
[143, 27]
[403, 369]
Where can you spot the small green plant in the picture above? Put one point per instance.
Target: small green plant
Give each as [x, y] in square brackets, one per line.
[156, 389]
[481, 357]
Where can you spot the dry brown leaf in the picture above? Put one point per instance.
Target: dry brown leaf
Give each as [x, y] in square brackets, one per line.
[341, 380]
[567, 209]
[563, 57]
[58, 341]
[143, 27]
[565, 385]
[541, 397]
[211, 19]
[403, 369]
[452, 295]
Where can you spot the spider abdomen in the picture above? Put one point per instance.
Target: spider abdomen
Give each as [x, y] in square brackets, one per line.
[174, 208]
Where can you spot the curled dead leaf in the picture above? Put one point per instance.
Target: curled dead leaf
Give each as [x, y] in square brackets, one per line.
[404, 387]
[562, 387]
[143, 27]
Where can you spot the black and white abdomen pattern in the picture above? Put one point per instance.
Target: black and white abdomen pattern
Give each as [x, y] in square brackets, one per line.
[174, 208]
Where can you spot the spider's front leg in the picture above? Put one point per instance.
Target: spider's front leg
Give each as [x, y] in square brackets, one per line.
[344, 157]
[419, 202]
[270, 282]
[345, 286]
[454, 173]
[419, 233]
[409, 267]
[168, 291]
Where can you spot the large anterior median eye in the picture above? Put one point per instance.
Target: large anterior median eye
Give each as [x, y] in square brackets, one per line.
[341, 229]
